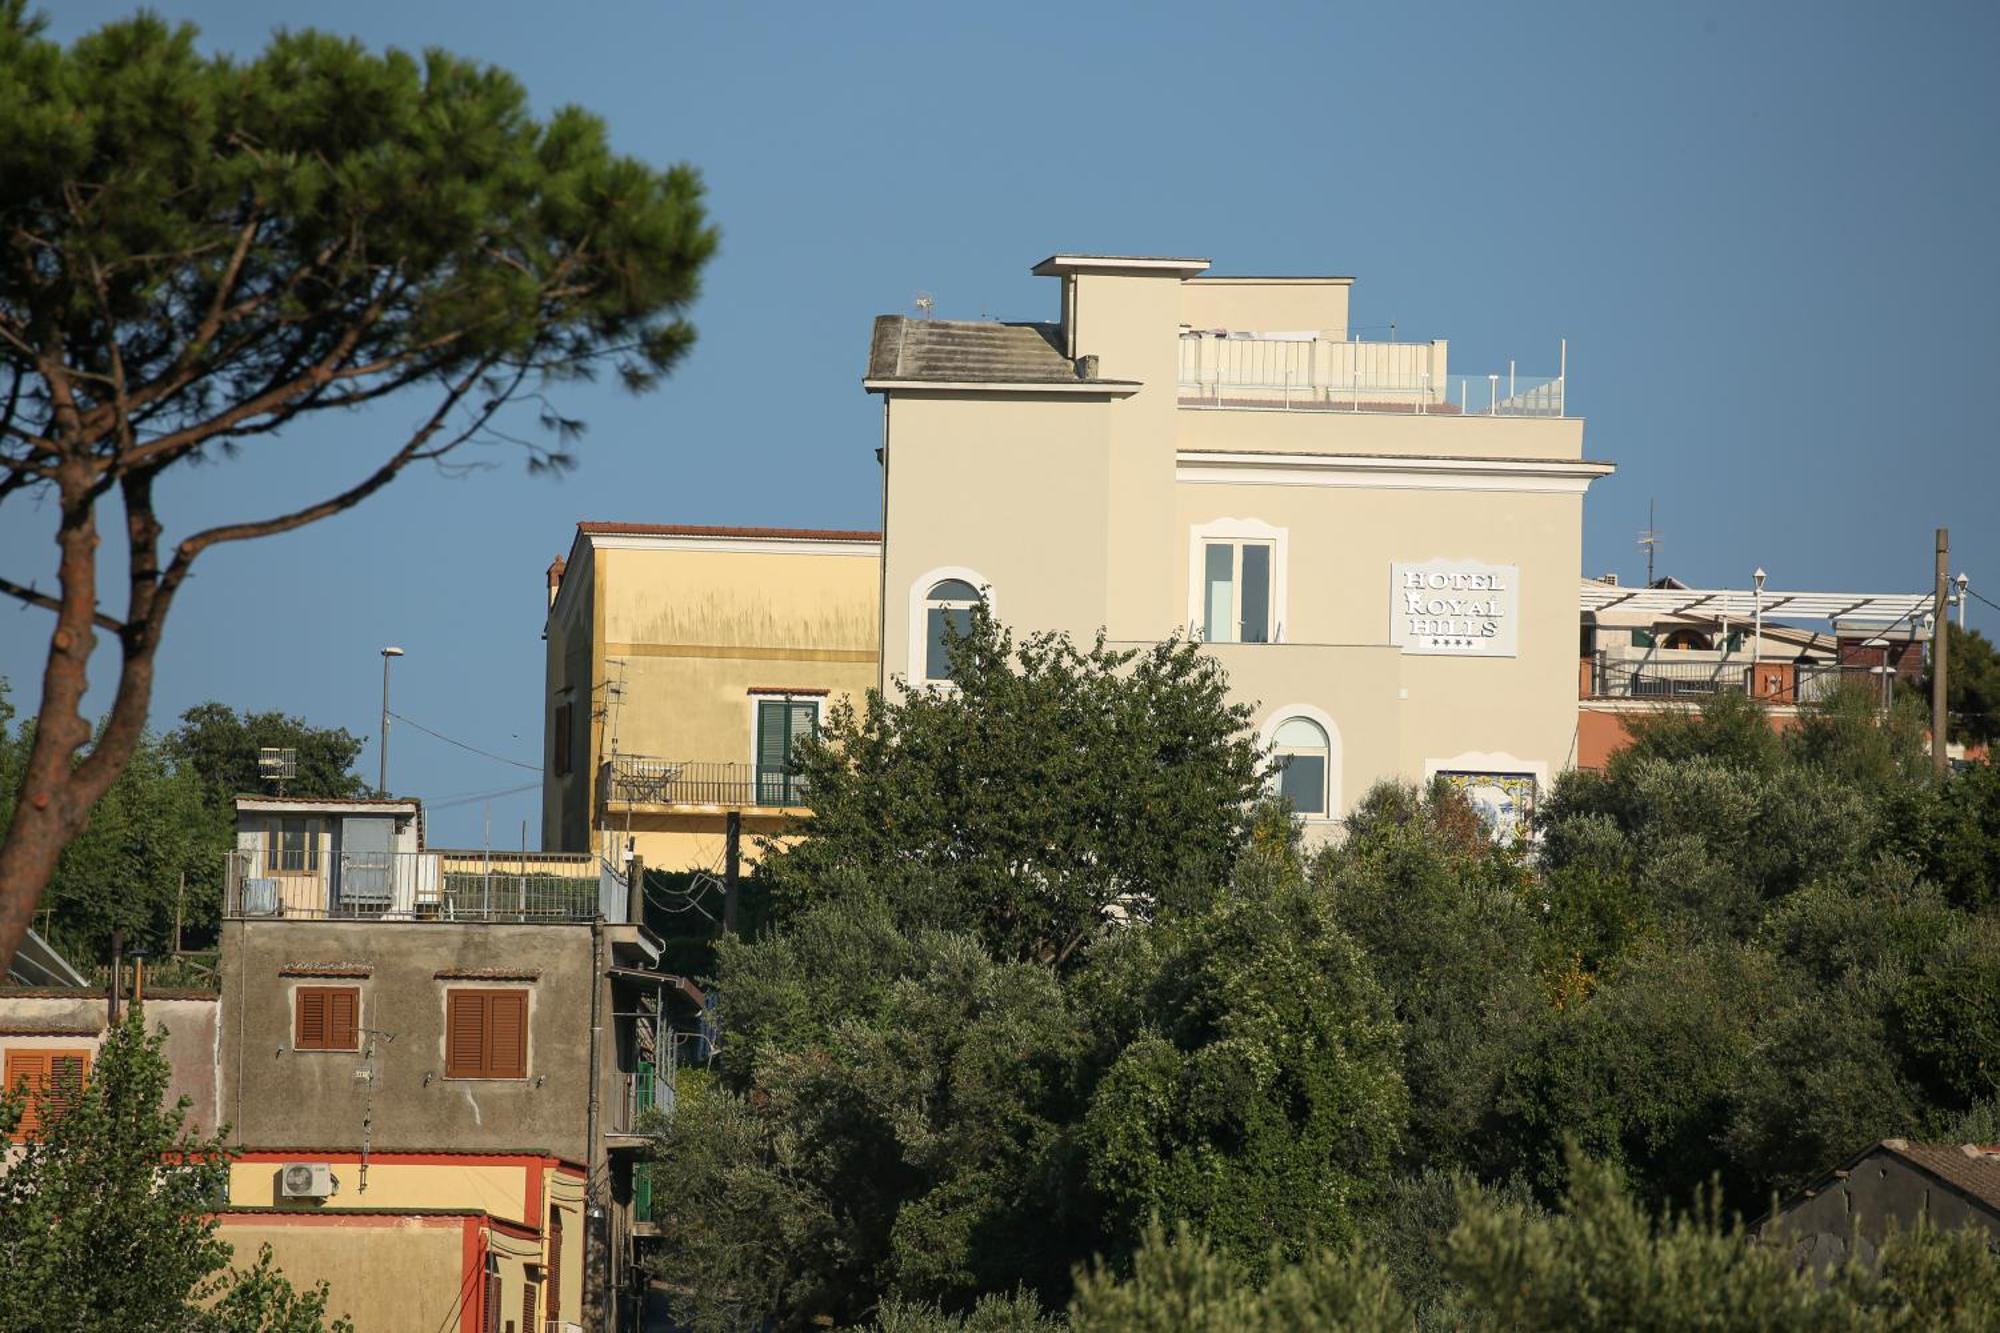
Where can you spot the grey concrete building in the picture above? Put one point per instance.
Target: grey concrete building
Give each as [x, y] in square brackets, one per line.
[1891, 1184]
[414, 1028]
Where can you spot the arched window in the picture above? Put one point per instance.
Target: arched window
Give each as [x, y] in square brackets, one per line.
[1303, 759]
[948, 603]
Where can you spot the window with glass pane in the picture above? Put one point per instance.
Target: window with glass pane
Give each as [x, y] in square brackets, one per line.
[293, 846]
[782, 724]
[1301, 752]
[1236, 592]
[949, 603]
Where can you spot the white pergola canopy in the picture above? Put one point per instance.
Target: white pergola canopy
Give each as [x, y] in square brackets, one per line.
[1885, 609]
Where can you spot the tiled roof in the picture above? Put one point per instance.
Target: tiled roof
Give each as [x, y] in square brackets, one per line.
[711, 530]
[968, 351]
[1973, 1169]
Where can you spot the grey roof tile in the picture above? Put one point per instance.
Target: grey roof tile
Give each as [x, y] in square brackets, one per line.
[968, 351]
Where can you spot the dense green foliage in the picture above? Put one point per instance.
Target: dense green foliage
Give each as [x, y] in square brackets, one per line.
[1043, 786]
[166, 823]
[1491, 1068]
[1972, 686]
[105, 1222]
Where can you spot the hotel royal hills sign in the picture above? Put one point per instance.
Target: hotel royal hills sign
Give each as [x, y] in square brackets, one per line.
[1455, 608]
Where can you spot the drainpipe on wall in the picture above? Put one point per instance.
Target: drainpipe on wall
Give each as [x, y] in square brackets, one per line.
[117, 966]
[596, 1207]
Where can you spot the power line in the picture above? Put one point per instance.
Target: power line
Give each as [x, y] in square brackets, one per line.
[448, 740]
[484, 796]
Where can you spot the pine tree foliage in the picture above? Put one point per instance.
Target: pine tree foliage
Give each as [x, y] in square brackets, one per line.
[199, 251]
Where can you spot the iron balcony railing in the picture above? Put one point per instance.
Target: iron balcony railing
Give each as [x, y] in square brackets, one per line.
[644, 1091]
[1653, 679]
[1675, 677]
[646, 780]
[437, 885]
[1320, 374]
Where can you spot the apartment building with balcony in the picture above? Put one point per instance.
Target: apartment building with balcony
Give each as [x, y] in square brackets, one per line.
[1669, 645]
[437, 1065]
[684, 664]
[1381, 549]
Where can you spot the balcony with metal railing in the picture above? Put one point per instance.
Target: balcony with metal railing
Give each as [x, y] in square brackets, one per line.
[1318, 374]
[1691, 677]
[649, 781]
[316, 883]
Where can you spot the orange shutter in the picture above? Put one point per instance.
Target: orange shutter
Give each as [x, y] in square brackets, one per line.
[65, 1085]
[51, 1081]
[27, 1074]
[507, 1034]
[465, 1034]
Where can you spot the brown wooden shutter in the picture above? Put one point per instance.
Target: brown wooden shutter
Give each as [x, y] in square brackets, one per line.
[465, 1034]
[343, 1019]
[329, 1018]
[492, 1312]
[552, 1283]
[311, 1003]
[528, 1294]
[507, 1034]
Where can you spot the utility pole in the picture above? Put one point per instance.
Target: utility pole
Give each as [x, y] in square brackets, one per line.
[382, 770]
[732, 856]
[1940, 653]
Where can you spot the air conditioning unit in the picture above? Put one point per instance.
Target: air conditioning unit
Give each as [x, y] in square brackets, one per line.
[260, 897]
[306, 1180]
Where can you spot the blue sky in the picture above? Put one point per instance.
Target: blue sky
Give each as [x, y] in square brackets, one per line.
[1767, 232]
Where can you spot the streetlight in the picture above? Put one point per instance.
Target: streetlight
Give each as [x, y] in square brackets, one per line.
[382, 775]
[1963, 582]
[1757, 631]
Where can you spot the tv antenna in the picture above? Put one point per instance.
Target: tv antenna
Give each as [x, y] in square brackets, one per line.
[277, 765]
[1650, 539]
[925, 303]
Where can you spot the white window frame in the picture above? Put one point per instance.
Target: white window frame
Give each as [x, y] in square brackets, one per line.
[1267, 738]
[1238, 530]
[920, 593]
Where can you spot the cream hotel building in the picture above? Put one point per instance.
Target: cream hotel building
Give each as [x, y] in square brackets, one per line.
[1382, 552]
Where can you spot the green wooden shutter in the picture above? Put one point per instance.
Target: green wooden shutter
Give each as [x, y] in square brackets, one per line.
[802, 723]
[773, 748]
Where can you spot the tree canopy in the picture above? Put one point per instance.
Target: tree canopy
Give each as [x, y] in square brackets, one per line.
[197, 251]
[1414, 1077]
[1044, 786]
[106, 1213]
[152, 853]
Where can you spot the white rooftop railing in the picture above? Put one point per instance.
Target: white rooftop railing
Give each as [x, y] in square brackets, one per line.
[1222, 369]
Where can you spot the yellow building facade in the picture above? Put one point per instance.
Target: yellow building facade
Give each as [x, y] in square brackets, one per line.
[683, 664]
[432, 1241]
[1383, 552]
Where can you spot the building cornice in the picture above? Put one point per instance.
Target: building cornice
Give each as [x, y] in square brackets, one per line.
[637, 541]
[1141, 265]
[1544, 476]
[1068, 388]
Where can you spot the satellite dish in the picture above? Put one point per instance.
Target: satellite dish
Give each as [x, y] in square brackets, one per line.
[925, 303]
